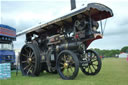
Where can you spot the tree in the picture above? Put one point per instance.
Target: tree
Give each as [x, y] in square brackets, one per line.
[107, 53]
[125, 49]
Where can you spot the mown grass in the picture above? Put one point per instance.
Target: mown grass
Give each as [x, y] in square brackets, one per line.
[114, 72]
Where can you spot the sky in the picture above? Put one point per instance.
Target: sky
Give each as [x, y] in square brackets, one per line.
[22, 14]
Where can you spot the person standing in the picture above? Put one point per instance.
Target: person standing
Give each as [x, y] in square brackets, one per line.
[127, 57]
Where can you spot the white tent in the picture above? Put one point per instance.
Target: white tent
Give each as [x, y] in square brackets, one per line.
[123, 55]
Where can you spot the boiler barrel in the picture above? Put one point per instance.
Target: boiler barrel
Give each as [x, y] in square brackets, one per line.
[70, 46]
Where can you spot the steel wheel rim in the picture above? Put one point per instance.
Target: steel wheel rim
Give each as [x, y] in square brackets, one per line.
[93, 63]
[28, 61]
[67, 65]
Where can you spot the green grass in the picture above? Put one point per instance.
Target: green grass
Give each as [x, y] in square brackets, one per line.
[114, 72]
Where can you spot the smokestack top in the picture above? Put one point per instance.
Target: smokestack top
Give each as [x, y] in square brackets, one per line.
[73, 4]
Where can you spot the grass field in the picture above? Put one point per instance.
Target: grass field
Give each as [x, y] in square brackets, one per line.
[114, 72]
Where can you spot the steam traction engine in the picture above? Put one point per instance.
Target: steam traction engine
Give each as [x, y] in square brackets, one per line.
[60, 46]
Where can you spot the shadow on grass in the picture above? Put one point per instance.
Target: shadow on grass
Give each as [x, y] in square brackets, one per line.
[51, 76]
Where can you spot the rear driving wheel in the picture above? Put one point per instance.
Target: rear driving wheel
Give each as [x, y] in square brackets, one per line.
[67, 65]
[30, 60]
[94, 63]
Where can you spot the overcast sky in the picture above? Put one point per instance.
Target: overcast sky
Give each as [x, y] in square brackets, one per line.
[22, 14]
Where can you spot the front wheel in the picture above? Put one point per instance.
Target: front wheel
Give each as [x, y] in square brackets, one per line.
[67, 65]
[30, 60]
[93, 63]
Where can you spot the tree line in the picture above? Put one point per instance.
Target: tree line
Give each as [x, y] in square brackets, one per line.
[111, 53]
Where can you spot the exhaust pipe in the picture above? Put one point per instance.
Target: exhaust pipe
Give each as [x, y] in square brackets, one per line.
[73, 4]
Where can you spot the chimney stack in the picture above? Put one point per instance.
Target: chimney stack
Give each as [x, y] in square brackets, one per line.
[73, 4]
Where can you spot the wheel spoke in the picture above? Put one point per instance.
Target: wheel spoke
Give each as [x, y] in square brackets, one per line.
[61, 67]
[93, 60]
[33, 58]
[33, 62]
[62, 59]
[24, 55]
[26, 67]
[93, 67]
[67, 70]
[26, 50]
[29, 70]
[61, 63]
[24, 62]
[87, 55]
[65, 58]
[93, 56]
[31, 54]
[70, 59]
[32, 67]
[71, 69]
[90, 68]
[72, 63]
